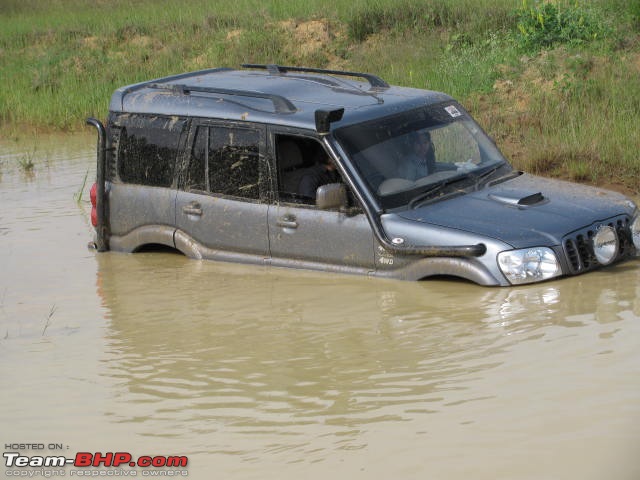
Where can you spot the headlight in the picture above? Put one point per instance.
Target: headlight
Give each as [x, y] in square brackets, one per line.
[529, 265]
[635, 233]
[605, 245]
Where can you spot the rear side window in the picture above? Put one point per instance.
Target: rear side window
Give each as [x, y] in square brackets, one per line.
[148, 148]
[225, 161]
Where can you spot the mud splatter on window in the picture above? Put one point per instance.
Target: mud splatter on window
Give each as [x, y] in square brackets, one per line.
[225, 161]
[148, 148]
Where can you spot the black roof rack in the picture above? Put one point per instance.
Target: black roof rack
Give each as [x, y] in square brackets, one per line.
[374, 80]
[280, 103]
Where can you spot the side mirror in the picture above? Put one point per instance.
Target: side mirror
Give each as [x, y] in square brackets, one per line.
[331, 196]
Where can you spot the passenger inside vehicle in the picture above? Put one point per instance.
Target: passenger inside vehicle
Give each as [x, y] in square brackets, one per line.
[303, 166]
[323, 172]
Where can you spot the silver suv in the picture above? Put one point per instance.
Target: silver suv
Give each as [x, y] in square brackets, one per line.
[337, 171]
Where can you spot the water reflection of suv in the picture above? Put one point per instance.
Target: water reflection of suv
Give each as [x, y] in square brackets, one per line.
[224, 164]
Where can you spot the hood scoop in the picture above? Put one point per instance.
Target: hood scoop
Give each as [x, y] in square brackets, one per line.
[518, 200]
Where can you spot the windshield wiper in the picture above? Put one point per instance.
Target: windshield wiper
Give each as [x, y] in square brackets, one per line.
[504, 178]
[486, 174]
[437, 187]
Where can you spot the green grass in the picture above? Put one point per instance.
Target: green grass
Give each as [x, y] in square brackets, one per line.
[26, 161]
[554, 82]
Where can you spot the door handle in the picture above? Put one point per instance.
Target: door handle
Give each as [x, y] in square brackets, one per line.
[194, 208]
[288, 221]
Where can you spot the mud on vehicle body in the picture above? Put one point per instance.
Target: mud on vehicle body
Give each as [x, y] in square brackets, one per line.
[217, 164]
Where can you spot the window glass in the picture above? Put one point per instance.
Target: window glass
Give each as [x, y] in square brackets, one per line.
[420, 153]
[196, 175]
[299, 160]
[303, 165]
[233, 162]
[148, 149]
[455, 143]
[225, 161]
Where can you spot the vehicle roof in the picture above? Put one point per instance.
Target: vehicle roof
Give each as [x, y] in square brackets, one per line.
[271, 94]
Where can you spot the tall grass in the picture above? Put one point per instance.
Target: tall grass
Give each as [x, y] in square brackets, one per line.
[62, 59]
[555, 81]
[592, 117]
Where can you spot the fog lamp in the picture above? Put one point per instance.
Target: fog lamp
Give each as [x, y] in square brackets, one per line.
[605, 245]
[635, 233]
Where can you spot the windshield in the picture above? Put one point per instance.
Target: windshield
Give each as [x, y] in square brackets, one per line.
[420, 153]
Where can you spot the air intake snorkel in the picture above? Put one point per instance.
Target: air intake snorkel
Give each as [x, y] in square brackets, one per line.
[102, 244]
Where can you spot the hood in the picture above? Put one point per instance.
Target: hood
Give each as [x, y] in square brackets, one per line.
[525, 211]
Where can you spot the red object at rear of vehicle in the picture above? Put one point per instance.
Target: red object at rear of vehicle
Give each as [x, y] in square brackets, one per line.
[94, 212]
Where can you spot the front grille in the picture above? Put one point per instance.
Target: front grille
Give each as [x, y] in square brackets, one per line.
[578, 246]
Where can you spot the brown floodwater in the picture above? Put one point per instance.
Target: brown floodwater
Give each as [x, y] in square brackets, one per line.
[265, 373]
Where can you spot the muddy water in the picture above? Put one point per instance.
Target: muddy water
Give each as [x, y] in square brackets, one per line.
[275, 374]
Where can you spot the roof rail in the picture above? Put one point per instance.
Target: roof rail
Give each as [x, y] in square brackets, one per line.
[374, 80]
[173, 78]
[280, 103]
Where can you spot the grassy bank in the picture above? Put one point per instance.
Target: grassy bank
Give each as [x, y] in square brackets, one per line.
[556, 83]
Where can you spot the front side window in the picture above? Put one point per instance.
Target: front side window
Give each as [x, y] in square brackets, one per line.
[225, 161]
[148, 149]
[406, 156]
[303, 165]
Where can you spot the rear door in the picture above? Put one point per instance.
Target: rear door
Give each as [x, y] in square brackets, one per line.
[142, 187]
[220, 209]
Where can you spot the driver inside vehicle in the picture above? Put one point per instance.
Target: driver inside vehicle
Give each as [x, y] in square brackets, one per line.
[421, 159]
[323, 172]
